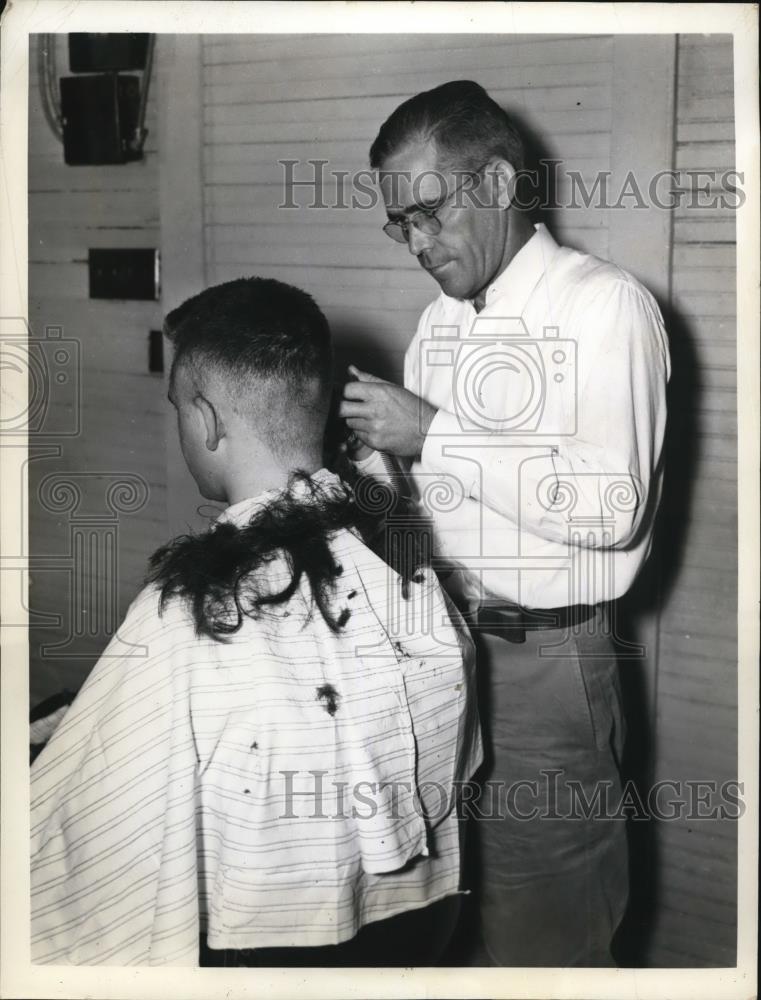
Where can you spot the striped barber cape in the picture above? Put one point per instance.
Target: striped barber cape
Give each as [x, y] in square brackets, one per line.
[283, 788]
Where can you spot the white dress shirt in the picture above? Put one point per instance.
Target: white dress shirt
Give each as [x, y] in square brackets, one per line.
[542, 467]
[282, 788]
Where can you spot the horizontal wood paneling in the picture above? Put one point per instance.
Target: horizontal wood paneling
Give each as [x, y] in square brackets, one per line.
[72, 209]
[267, 99]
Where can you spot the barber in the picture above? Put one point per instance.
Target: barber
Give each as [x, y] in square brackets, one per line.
[534, 398]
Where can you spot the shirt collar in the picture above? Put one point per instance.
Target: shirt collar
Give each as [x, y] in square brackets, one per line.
[513, 286]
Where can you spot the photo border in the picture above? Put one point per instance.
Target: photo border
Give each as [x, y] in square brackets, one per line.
[23, 17]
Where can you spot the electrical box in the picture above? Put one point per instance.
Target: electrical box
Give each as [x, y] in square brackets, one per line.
[90, 52]
[124, 274]
[100, 116]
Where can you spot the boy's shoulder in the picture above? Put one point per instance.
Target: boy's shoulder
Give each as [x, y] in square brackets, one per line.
[151, 626]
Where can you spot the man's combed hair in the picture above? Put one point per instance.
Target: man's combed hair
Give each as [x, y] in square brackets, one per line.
[253, 328]
[468, 127]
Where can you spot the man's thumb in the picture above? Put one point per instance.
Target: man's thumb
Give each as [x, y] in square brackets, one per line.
[363, 376]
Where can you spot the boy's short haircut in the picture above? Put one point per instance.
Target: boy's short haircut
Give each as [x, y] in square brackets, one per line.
[258, 332]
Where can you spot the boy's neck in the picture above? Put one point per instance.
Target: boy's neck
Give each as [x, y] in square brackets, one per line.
[261, 476]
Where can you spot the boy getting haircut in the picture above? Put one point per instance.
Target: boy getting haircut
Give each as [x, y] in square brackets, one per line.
[264, 758]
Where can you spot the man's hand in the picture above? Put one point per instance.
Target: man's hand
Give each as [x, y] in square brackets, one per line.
[357, 450]
[384, 416]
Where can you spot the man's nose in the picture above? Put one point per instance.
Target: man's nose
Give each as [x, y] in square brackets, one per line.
[417, 241]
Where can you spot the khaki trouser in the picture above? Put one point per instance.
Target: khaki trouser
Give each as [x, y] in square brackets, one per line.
[553, 883]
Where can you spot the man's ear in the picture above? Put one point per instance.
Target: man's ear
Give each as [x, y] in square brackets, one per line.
[504, 179]
[215, 430]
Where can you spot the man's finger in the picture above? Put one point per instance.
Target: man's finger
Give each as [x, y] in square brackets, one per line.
[363, 376]
[349, 409]
[362, 427]
[360, 391]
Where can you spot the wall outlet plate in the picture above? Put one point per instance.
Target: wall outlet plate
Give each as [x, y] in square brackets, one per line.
[124, 274]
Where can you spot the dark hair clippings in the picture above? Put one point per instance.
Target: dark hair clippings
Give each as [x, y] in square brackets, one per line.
[217, 572]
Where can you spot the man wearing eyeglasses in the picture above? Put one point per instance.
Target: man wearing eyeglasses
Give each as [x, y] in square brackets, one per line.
[532, 417]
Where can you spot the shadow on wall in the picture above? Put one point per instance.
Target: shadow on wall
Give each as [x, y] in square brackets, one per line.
[538, 153]
[649, 593]
[362, 348]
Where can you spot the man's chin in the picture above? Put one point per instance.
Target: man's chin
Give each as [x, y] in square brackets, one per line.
[453, 289]
[446, 278]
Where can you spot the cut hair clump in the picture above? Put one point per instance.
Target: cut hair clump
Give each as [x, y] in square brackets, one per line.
[219, 573]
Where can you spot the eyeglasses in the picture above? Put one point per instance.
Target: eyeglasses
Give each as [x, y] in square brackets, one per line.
[425, 220]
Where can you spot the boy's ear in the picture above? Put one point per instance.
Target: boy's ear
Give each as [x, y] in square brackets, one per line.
[215, 430]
